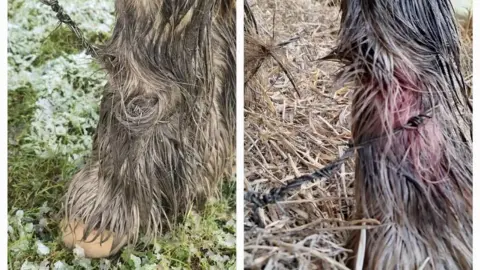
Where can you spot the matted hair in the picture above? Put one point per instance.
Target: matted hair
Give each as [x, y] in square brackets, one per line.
[402, 60]
[167, 119]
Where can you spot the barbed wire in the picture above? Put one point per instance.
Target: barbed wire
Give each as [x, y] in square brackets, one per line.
[65, 19]
[259, 200]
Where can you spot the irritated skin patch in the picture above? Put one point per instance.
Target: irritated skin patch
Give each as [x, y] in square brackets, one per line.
[420, 145]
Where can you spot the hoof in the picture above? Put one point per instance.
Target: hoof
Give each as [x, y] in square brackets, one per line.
[92, 249]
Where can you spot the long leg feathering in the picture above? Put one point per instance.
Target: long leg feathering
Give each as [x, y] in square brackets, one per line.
[167, 118]
[402, 59]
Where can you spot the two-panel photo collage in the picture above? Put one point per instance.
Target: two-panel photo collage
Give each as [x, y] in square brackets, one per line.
[221, 134]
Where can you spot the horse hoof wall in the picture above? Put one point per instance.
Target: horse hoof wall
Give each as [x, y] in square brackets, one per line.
[72, 235]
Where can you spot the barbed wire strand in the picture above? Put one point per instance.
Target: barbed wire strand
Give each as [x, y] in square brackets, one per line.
[66, 19]
[259, 200]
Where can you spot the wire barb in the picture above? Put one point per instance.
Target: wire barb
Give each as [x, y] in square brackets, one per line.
[416, 121]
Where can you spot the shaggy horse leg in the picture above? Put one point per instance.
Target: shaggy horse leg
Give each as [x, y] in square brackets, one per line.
[402, 58]
[167, 123]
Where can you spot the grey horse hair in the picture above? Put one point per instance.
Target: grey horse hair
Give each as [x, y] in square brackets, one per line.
[166, 132]
[401, 58]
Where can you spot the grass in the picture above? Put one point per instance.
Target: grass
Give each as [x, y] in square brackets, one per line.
[53, 98]
[59, 42]
[62, 41]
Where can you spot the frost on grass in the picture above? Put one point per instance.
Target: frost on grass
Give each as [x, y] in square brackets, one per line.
[22, 240]
[42, 250]
[65, 86]
[203, 242]
[68, 87]
[19, 233]
[68, 90]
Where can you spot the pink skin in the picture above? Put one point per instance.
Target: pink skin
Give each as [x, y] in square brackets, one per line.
[421, 146]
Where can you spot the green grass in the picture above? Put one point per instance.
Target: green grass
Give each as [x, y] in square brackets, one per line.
[62, 41]
[32, 180]
[36, 183]
[33, 185]
[59, 42]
